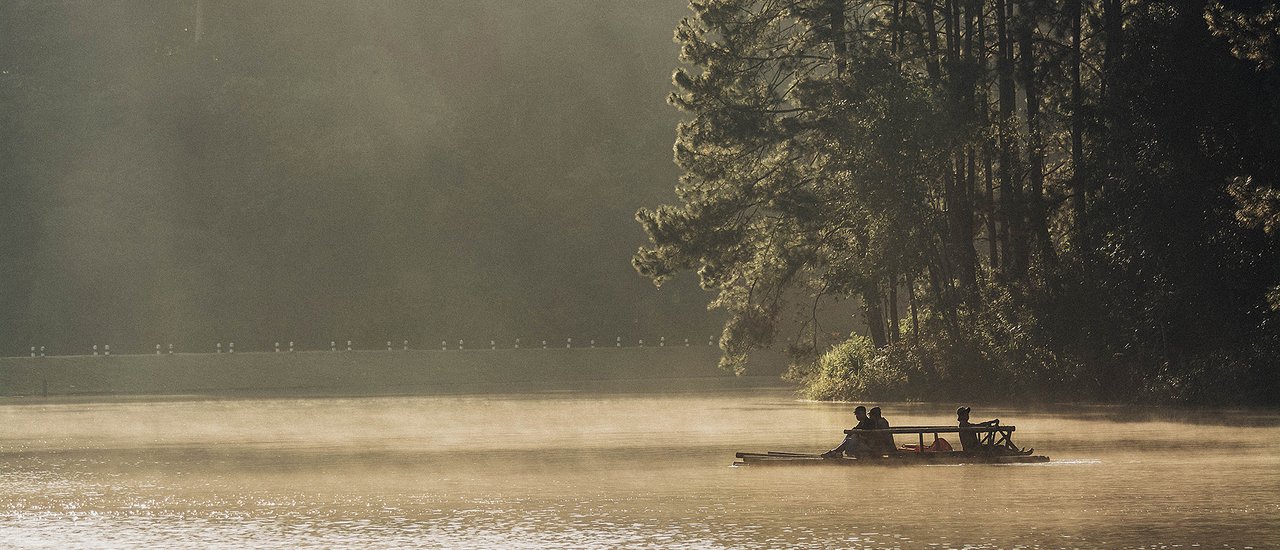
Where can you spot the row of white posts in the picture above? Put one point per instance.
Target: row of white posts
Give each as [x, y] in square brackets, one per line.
[333, 346]
[568, 343]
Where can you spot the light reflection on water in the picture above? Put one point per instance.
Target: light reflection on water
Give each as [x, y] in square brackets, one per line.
[611, 471]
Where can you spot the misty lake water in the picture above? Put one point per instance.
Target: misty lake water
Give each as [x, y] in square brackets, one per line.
[613, 470]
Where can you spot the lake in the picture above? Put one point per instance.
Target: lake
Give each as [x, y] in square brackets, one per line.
[608, 469]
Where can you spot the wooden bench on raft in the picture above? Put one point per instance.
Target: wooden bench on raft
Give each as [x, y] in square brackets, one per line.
[990, 438]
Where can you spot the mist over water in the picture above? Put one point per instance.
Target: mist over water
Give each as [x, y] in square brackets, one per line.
[611, 469]
[205, 172]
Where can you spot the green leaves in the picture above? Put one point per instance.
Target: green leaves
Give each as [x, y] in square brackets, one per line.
[804, 174]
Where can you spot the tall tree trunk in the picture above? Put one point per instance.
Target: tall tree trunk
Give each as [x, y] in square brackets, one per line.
[1113, 44]
[931, 35]
[1036, 217]
[970, 190]
[1013, 241]
[970, 6]
[915, 318]
[993, 253]
[1079, 186]
[873, 312]
[968, 258]
[838, 45]
[895, 32]
[959, 200]
[989, 202]
[895, 332]
[960, 225]
[943, 296]
[949, 13]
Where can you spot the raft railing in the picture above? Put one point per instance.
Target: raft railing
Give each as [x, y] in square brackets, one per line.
[988, 436]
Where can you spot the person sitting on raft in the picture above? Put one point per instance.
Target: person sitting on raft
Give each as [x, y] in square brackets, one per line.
[969, 440]
[854, 443]
[880, 442]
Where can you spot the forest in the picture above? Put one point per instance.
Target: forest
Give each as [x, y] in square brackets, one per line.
[1022, 199]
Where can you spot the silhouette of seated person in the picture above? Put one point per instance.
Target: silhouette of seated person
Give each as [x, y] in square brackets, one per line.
[969, 441]
[879, 442]
[854, 443]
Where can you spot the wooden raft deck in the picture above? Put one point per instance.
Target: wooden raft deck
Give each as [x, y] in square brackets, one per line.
[995, 447]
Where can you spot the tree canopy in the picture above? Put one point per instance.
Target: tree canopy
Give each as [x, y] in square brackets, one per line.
[1035, 199]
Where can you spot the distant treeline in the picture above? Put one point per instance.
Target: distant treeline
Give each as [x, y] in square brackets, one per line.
[1031, 199]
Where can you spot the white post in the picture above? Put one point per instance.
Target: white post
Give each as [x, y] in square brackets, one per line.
[33, 351]
[388, 345]
[348, 345]
[218, 348]
[619, 341]
[106, 349]
[662, 341]
[568, 342]
[333, 346]
[517, 343]
[459, 344]
[95, 350]
[686, 342]
[493, 344]
[593, 342]
[406, 345]
[290, 346]
[157, 349]
[711, 340]
[544, 344]
[231, 347]
[444, 345]
[170, 349]
[277, 347]
[41, 351]
[642, 342]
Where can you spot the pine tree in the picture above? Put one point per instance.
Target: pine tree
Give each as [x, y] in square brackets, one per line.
[840, 149]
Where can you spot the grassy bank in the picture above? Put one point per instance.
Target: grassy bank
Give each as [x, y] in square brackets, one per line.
[378, 372]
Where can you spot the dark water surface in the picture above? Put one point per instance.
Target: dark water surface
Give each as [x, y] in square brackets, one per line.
[613, 470]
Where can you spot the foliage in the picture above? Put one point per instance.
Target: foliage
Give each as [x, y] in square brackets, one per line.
[855, 368]
[1076, 200]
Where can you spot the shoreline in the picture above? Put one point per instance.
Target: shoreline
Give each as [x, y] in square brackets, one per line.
[397, 372]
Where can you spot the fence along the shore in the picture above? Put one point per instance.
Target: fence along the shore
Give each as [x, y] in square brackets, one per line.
[105, 349]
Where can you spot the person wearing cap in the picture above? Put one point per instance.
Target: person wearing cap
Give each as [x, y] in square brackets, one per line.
[881, 442]
[969, 440]
[854, 443]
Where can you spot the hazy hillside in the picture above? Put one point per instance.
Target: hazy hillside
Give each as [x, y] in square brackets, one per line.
[219, 170]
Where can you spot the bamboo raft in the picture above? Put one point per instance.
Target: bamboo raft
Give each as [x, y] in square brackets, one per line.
[995, 446]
